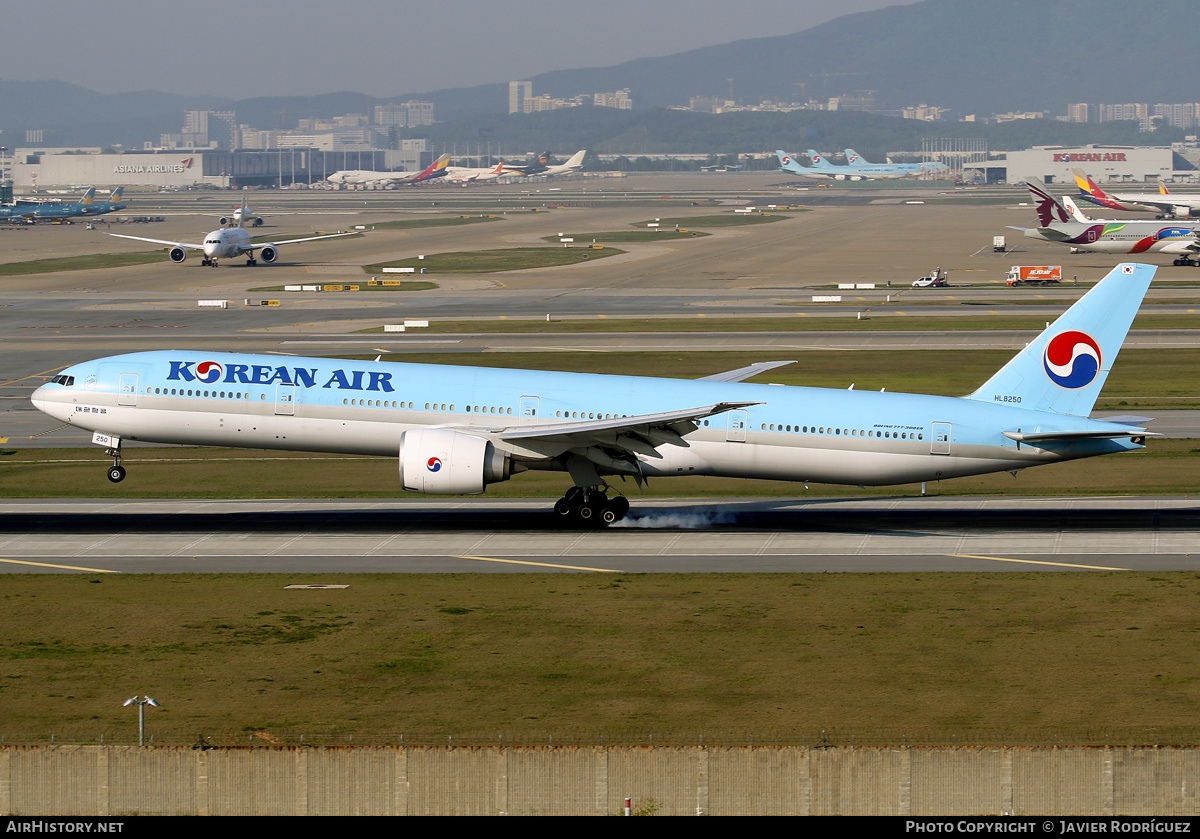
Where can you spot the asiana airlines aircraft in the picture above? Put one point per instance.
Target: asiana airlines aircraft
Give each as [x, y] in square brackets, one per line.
[454, 430]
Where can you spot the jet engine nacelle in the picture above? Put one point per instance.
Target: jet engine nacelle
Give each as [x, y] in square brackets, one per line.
[226, 221]
[177, 254]
[255, 221]
[1182, 212]
[439, 461]
[268, 254]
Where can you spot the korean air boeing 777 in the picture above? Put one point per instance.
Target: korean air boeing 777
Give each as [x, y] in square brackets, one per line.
[453, 430]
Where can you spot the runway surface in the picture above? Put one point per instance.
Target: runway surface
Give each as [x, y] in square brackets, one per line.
[304, 541]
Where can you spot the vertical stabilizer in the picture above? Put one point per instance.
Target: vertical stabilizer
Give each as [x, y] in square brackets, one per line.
[88, 197]
[1064, 368]
[1049, 208]
[242, 215]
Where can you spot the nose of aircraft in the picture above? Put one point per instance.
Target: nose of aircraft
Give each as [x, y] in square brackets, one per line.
[39, 398]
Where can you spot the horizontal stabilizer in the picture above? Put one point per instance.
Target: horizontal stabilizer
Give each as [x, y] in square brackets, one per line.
[1094, 434]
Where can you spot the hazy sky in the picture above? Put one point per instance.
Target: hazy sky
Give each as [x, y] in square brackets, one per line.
[242, 48]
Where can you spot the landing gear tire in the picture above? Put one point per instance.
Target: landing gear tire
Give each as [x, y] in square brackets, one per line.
[116, 474]
[251, 262]
[590, 508]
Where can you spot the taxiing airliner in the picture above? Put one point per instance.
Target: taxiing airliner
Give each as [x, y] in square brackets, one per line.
[229, 242]
[454, 430]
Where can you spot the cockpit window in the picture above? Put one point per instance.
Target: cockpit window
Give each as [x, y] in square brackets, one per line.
[65, 381]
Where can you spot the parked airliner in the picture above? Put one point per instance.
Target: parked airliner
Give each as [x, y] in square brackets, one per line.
[229, 242]
[1165, 203]
[453, 430]
[364, 176]
[1064, 226]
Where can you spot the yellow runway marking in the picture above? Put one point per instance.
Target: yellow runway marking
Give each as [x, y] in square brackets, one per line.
[542, 564]
[62, 567]
[1036, 562]
[34, 376]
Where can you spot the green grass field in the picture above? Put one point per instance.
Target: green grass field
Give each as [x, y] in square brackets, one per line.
[492, 261]
[723, 220]
[433, 221]
[79, 263]
[705, 323]
[1164, 467]
[995, 658]
[629, 236]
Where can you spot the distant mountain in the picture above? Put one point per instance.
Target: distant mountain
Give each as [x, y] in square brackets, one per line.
[975, 56]
[75, 116]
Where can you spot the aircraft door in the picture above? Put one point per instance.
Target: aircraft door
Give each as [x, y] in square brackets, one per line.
[285, 399]
[127, 389]
[941, 438]
[530, 410]
[736, 430]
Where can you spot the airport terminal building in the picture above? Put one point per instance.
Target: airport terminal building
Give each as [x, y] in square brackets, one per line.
[1105, 164]
[176, 169]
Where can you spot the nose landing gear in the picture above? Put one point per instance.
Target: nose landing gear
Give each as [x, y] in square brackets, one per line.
[116, 472]
[590, 507]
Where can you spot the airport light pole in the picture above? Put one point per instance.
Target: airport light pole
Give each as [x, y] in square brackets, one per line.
[141, 703]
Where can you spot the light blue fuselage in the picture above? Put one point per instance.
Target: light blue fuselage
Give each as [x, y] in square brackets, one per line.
[363, 407]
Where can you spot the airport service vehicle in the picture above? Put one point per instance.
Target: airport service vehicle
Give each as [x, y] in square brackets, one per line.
[936, 279]
[453, 430]
[1065, 226]
[998, 244]
[1034, 275]
[229, 242]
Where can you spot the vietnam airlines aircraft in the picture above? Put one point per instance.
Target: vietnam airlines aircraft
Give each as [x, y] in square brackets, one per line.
[364, 176]
[453, 430]
[112, 205]
[1165, 203]
[46, 212]
[228, 243]
[1063, 226]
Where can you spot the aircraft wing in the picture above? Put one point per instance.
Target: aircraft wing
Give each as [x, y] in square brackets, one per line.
[256, 245]
[159, 241]
[631, 435]
[743, 373]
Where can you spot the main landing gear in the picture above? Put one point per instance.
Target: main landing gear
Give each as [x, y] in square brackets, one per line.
[116, 472]
[590, 506]
[1183, 260]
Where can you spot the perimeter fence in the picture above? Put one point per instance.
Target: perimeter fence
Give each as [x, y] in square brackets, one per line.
[595, 780]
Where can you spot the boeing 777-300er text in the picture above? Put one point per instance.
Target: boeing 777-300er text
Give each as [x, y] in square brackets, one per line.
[229, 243]
[453, 430]
[1063, 226]
[1165, 203]
[364, 176]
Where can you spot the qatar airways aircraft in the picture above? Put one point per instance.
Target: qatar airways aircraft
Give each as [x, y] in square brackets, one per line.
[453, 430]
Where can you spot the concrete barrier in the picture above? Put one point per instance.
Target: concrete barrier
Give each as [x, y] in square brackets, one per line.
[595, 780]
